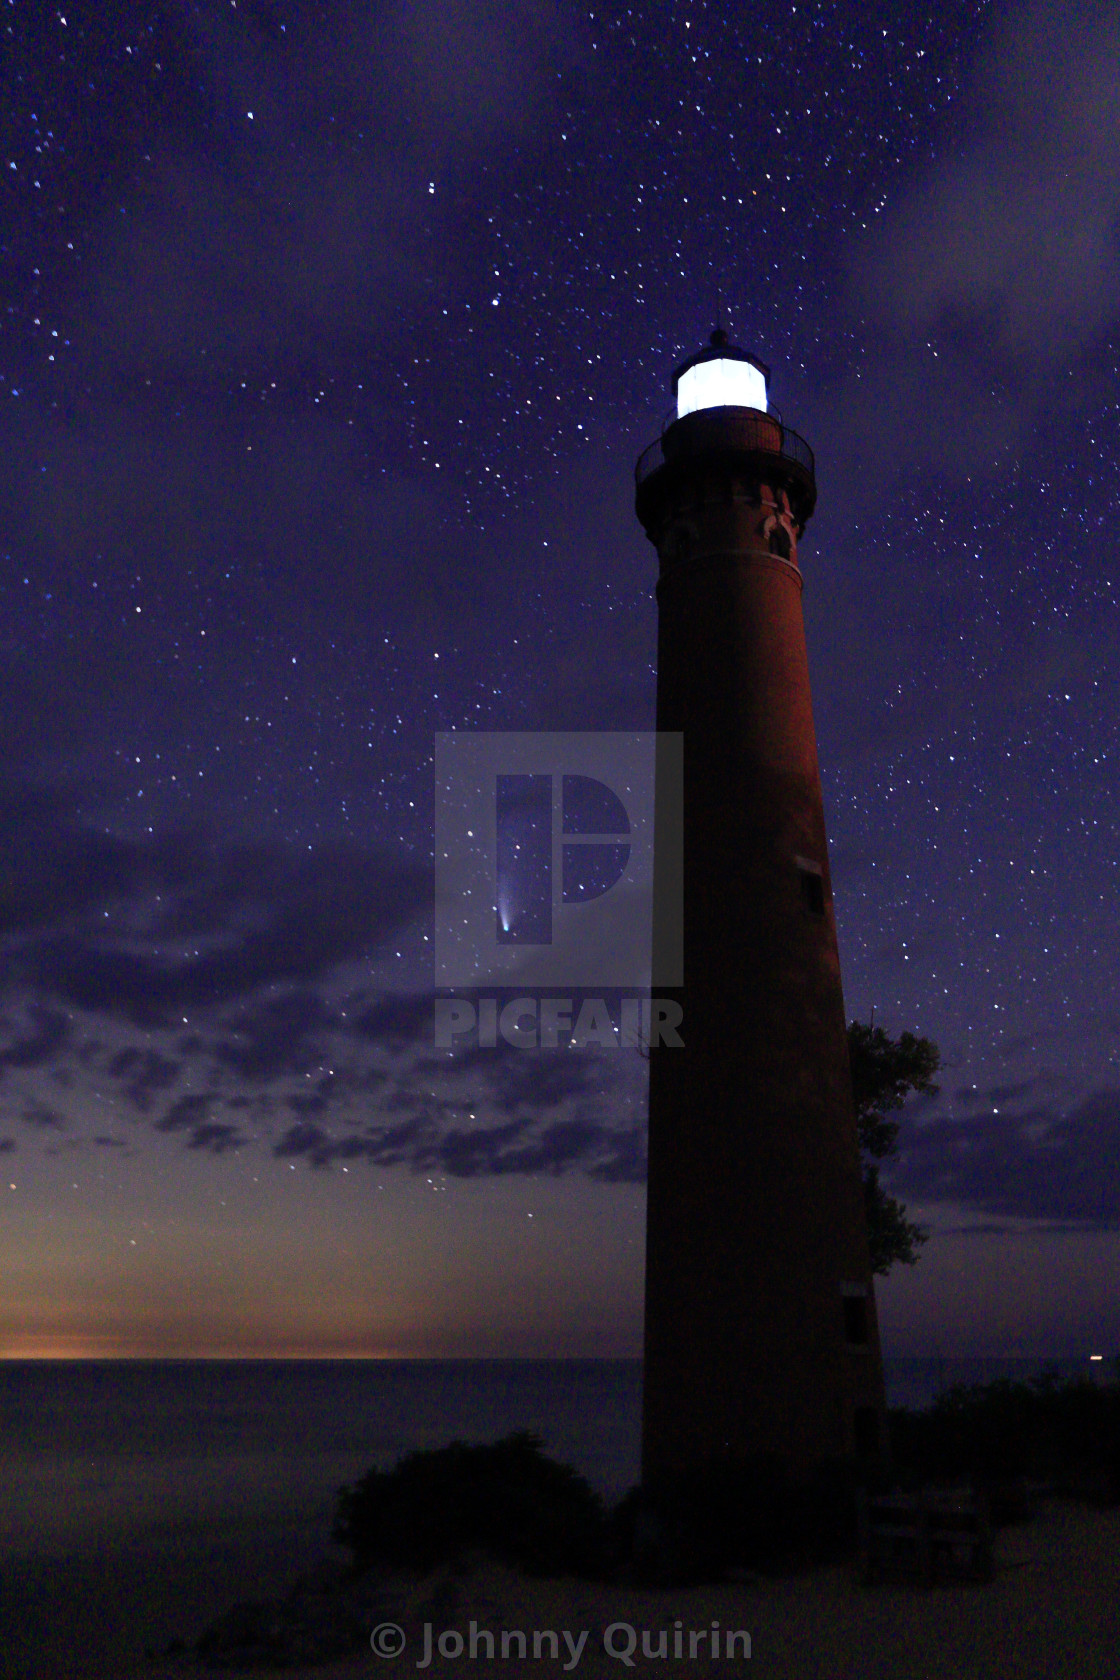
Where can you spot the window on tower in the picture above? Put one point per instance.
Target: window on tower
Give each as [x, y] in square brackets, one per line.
[865, 1427]
[811, 881]
[856, 1328]
[779, 542]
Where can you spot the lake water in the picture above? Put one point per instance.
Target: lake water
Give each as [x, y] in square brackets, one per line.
[139, 1498]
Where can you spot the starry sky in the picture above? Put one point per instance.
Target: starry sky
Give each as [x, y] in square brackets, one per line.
[331, 335]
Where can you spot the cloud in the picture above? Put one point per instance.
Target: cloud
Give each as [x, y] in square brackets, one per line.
[146, 931]
[491, 1112]
[270, 1038]
[397, 1019]
[408, 1143]
[547, 1080]
[215, 1138]
[992, 278]
[600, 1151]
[202, 988]
[1013, 241]
[1040, 1163]
[330, 1076]
[38, 1042]
[243, 247]
[522, 1147]
[42, 1118]
[191, 1115]
[142, 1073]
[187, 1112]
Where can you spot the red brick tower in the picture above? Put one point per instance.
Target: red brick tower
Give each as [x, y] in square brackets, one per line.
[761, 1334]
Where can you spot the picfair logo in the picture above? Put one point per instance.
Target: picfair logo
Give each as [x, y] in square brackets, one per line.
[526, 813]
[544, 859]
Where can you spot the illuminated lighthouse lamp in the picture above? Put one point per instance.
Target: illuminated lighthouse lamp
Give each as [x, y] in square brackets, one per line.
[720, 377]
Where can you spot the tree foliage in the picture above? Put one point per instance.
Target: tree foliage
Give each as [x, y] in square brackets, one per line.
[885, 1071]
[1059, 1431]
[505, 1497]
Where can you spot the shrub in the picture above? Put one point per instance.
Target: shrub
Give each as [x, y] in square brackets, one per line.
[1065, 1434]
[507, 1499]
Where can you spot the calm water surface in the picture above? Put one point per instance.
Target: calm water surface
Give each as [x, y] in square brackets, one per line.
[93, 1450]
[139, 1499]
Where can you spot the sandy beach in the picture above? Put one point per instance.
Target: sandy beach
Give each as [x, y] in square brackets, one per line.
[1052, 1610]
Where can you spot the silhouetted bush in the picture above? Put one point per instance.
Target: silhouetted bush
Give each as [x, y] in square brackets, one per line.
[1064, 1434]
[507, 1499]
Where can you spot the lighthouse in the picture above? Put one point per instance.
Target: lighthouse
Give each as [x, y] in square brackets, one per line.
[760, 1329]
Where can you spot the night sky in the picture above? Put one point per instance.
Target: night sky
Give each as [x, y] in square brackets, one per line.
[331, 334]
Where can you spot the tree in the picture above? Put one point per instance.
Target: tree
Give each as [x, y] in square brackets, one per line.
[504, 1497]
[885, 1071]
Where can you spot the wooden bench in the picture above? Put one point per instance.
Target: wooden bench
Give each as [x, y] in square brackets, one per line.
[925, 1537]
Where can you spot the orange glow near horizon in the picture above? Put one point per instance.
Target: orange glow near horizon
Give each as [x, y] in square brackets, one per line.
[91, 1348]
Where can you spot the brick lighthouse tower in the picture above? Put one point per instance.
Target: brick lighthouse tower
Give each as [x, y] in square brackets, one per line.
[761, 1335]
